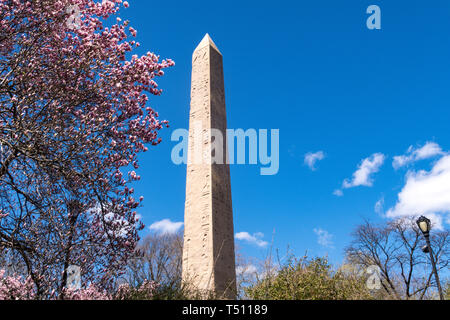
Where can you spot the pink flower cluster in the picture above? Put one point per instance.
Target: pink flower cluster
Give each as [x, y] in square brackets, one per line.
[145, 291]
[16, 288]
[91, 293]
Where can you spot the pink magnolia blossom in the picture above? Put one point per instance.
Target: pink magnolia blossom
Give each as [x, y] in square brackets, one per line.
[91, 293]
[16, 288]
[75, 113]
[145, 291]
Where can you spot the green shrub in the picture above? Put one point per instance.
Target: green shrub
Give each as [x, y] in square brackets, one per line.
[309, 280]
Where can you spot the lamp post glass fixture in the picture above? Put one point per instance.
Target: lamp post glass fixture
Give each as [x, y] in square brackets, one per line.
[425, 226]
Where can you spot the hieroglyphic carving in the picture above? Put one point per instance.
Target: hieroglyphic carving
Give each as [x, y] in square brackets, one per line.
[208, 255]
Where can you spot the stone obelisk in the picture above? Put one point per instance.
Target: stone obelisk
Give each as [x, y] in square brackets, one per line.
[208, 253]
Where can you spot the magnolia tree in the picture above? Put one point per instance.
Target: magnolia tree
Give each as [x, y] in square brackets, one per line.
[74, 116]
[17, 288]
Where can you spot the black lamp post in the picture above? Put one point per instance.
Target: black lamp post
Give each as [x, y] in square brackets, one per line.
[425, 226]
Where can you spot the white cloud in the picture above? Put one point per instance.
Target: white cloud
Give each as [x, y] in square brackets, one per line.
[312, 158]
[426, 193]
[166, 226]
[379, 206]
[254, 239]
[429, 150]
[324, 238]
[362, 176]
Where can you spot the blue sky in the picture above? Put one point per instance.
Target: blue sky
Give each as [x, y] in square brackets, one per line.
[315, 71]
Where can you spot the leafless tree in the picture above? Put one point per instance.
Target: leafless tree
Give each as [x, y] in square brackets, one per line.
[396, 248]
[158, 258]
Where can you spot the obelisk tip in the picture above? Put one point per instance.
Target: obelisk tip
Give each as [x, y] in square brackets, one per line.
[207, 41]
